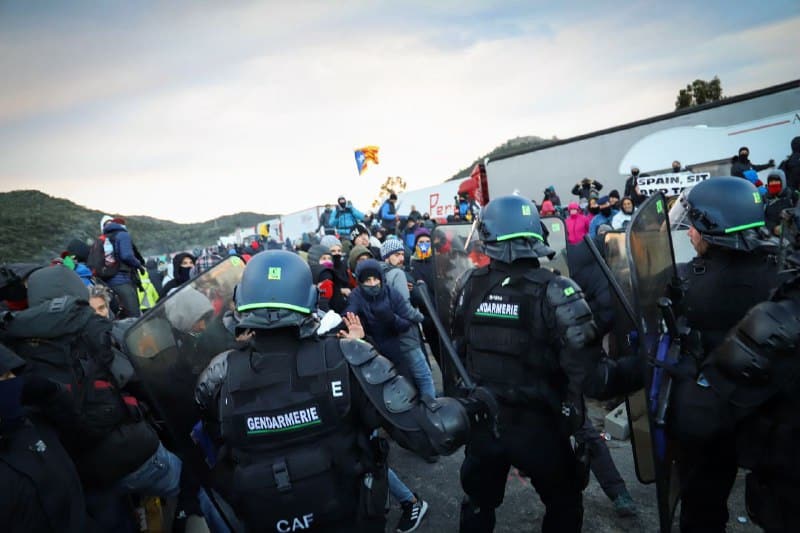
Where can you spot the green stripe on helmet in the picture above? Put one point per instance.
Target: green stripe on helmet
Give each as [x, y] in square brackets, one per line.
[274, 305]
[529, 234]
[743, 227]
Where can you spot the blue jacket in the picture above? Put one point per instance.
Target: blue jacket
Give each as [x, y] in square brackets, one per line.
[344, 219]
[380, 318]
[123, 247]
[599, 219]
[85, 273]
[387, 211]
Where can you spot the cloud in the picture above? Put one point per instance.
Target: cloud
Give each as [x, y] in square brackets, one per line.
[266, 102]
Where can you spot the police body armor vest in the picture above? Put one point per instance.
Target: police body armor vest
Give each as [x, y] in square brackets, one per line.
[510, 347]
[295, 446]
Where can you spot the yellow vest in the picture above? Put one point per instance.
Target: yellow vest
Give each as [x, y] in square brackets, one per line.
[148, 295]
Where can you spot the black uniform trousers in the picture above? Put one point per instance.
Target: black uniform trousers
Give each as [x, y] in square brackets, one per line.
[707, 474]
[531, 442]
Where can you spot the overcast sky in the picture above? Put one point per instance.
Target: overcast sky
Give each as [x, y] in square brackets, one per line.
[131, 107]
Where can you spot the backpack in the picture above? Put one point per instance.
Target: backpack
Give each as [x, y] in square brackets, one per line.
[98, 405]
[102, 258]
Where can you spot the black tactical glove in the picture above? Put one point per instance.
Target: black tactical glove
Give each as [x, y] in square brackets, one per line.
[38, 389]
[482, 409]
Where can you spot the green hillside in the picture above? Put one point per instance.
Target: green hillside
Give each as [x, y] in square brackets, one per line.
[37, 227]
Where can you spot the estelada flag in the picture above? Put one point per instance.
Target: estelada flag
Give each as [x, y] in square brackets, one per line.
[367, 153]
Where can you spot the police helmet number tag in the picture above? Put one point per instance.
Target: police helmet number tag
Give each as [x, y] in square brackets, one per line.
[274, 273]
[526, 210]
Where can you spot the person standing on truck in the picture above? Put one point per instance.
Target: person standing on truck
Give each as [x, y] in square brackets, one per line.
[345, 217]
[585, 188]
[740, 163]
[632, 187]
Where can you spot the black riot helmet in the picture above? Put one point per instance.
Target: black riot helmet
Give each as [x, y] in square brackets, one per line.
[726, 211]
[276, 290]
[510, 229]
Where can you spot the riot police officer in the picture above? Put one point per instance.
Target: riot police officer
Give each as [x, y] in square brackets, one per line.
[734, 270]
[519, 328]
[293, 412]
[755, 378]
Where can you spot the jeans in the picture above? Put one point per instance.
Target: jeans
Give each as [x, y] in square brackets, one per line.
[158, 476]
[602, 464]
[398, 489]
[418, 364]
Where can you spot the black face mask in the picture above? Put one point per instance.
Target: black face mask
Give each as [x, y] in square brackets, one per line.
[337, 260]
[676, 169]
[371, 290]
[606, 211]
[342, 204]
[594, 210]
[635, 173]
[743, 157]
[183, 274]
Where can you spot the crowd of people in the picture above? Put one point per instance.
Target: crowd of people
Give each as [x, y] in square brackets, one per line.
[297, 414]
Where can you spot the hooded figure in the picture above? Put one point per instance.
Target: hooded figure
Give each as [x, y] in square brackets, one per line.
[355, 253]
[791, 166]
[55, 282]
[778, 198]
[180, 274]
[377, 305]
[741, 163]
[577, 223]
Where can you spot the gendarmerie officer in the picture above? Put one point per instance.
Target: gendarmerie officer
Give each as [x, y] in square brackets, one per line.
[735, 269]
[294, 412]
[755, 378]
[520, 328]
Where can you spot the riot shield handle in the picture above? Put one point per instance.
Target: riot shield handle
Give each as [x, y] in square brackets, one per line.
[422, 292]
[665, 305]
[612, 281]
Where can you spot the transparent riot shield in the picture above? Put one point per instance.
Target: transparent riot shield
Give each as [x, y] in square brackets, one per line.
[452, 258]
[556, 238]
[623, 343]
[652, 268]
[174, 342]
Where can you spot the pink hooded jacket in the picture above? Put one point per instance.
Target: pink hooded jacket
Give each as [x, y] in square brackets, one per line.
[577, 224]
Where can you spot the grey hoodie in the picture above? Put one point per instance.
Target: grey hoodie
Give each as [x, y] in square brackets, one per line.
[395, 279]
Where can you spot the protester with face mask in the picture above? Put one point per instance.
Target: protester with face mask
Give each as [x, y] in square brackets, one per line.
[676, 167]
[421, 268]
[182, 265]
[632, 187]
[778, 198]
[586, 188]
[740, 163]
[577, 223]
[345, 217]
[604, 215]
[623, 217]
